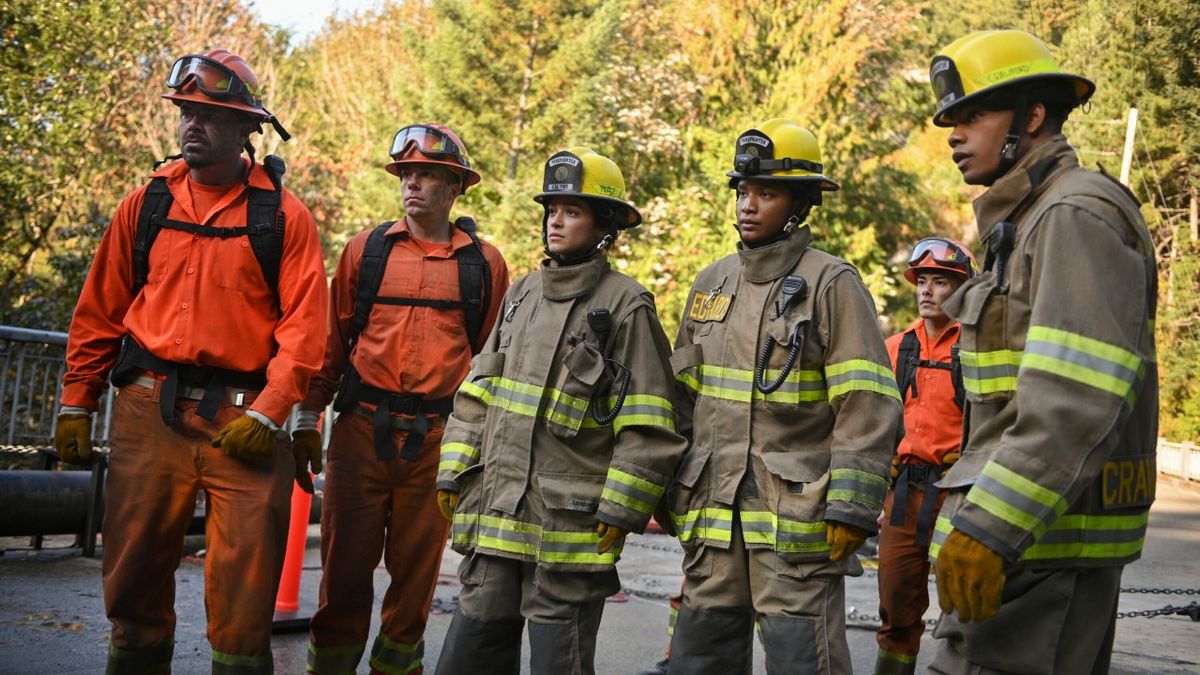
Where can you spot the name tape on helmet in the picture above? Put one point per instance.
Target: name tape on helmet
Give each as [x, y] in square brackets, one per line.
[564, 159]
[756, 140]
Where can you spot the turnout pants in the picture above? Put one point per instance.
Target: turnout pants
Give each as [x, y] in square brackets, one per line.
[801, 612]
[154, 473]
[376, 508]
[903, 585]
[1051, 621]
[499, 594]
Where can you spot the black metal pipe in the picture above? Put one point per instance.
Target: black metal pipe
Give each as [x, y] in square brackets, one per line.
[56, 502]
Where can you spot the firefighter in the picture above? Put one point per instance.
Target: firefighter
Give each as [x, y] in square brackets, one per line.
[205, 304]
[562, 438]
[411, 301]
[1050, 499]
[928, 372]
[791, 409]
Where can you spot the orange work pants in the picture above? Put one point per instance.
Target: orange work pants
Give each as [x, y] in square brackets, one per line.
[373, 508]
[153, 475]
[903, 584]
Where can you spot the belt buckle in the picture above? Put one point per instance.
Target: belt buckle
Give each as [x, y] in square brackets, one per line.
[239, 399]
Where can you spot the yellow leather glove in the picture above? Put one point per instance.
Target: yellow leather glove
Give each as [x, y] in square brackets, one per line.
[609, 534]
[970, 578]
[948, 461]
[247, 438]
[895, 467]
[73, 438]
[306, 450]
[843, 539]
[447, 502]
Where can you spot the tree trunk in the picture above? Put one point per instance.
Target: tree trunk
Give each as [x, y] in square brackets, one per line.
[514, 147]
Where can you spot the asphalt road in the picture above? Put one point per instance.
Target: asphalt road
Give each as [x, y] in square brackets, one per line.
[52, 616]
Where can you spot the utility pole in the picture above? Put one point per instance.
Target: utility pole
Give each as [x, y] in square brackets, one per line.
[1127, 157]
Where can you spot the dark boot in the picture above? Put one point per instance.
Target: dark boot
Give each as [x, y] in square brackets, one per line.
[484, 647]
[659, 668]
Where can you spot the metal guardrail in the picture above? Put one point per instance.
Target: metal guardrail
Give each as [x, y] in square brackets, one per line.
[1179, 459]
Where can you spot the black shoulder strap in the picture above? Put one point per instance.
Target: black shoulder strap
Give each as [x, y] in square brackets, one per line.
[956, 376]
[906, 363]
[155, 207]
[370, 275]
[474, 281]
[264, 222]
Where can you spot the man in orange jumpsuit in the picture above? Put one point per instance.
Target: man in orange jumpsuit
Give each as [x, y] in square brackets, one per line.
[206, 303]
[412, 301]
[925, 358]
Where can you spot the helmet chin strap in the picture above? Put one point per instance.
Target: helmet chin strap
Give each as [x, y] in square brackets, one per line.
[568, 260]
[1008, 152]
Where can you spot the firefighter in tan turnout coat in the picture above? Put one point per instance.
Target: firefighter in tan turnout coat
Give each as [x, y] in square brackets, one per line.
[1050, 498]
[562, 439]
[785, 390]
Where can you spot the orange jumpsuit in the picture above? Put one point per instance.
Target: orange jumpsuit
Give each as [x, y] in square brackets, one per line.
[374, 507]
[205, 303]
[932, 428]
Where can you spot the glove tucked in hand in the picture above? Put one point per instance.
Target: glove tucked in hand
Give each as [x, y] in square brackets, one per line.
[948, 461]
[73, 438]
[609, 534]
[895, 467]
[306, 450]
[447, 502]
[970, 578]
[247, 438]
[843, 539]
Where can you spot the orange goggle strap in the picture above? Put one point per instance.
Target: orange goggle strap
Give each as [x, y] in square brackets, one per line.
[429, 142]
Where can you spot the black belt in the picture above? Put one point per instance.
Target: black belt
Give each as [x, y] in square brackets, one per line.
[386, 403]
[135, 359]
[923, 475]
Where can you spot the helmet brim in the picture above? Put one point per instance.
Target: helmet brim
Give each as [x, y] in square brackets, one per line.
[633, 217]
[233, 104]
[470, 176]
[1084, 88]
[911, 273]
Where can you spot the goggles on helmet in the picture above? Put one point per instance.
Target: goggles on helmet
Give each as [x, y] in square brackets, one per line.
[430, 142]
[213, 78]
[944, 252]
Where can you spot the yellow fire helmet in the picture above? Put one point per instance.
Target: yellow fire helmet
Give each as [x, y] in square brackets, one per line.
[984, 61]
[582, 172]
[779, 150]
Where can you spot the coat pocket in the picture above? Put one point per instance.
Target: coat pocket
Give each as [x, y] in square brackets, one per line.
[989, 363]
[568, 534]
[685, 505]
[788, 383]
[799, 482]
[569, 406]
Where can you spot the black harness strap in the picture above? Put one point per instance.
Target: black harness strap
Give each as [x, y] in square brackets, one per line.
[908, 360]
[134, 359]
[474, 282]
[924, 476]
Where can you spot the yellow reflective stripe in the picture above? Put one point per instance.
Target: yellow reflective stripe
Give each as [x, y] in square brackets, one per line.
[895, 656]
[941, 530]
[396, 658]
[856, 485]
[990, 372]
[860, 375]
[240, 661]
[1086, 360]
[1016, 499]
[456, 456]
[735, 384]
[645, 410]
[530, 540]
[710, 522]
[1091, 536]
[554, 406]
[630, 491]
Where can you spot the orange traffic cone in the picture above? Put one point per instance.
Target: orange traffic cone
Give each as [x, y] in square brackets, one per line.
[287, 600]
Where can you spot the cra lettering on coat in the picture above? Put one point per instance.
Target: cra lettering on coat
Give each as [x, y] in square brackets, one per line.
[1128, 482]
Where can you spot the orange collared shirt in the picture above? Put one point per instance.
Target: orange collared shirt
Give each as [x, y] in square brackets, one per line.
[422, 351]
[205, 301]
[932, 422]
